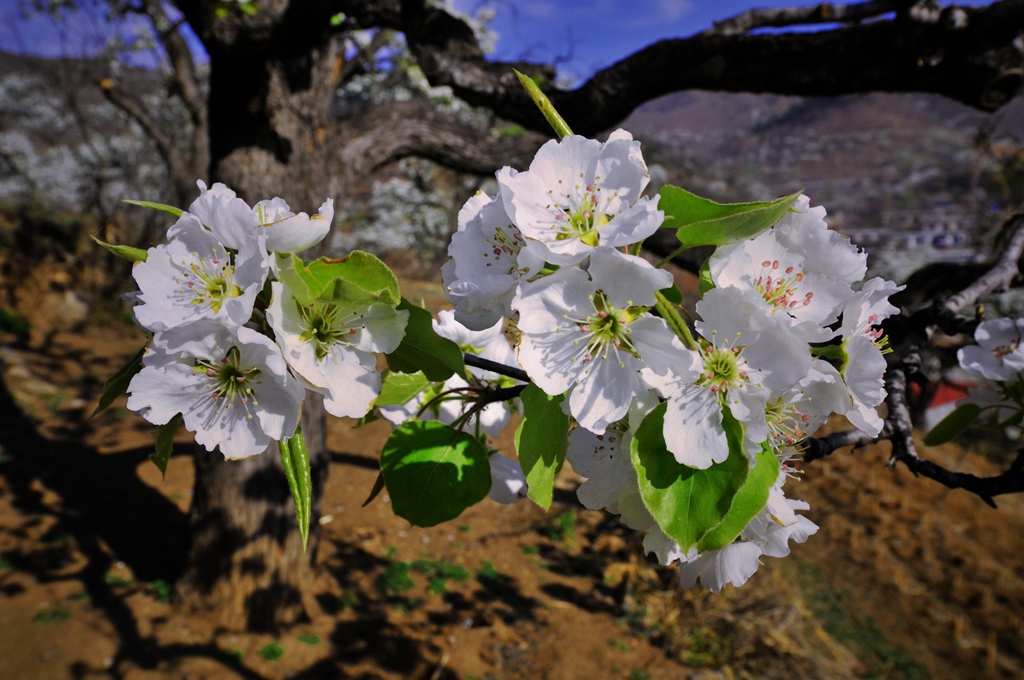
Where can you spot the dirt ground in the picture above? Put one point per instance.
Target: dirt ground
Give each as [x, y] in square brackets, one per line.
[905, 579]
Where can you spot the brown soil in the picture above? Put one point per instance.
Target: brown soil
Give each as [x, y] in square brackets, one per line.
[904, 579]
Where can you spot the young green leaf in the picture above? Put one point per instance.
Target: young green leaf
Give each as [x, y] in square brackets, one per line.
[433, 472]
[165, 443]
[749, 501]
[295, 460]
[686, 502]
[156, 206]
[117, 384]
[953, 425]
[703, 222]
[672, 294]
[705, 282]
[359, 278]
[127, 252]
[398, 388]
[422, 349]
[554, 119]
[541, 442]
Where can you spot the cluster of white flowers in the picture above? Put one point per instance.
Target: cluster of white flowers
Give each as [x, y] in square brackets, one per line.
[234, 364]
[550, 252]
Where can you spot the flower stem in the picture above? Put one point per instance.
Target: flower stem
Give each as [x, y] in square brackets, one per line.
[671, 255]
[674, 321]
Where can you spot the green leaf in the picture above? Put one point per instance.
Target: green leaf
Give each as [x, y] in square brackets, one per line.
[165, 442]
[554, 119]
[378, 486]
[295, 460]
[703, 222]
[953, 425]
[117, 384]
[705, 282]
[127, 252]
[156, 206]
[422, 349]
[356, 280]
[749, 501]
[672, 294]
[541, 441]
[686, 502]
[398, 388]
[433, 472]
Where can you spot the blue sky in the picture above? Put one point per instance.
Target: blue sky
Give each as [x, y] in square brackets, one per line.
[580, 35]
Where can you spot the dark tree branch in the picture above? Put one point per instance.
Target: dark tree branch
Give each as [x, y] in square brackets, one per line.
[1002, 273]
[796, 16]
[417, 128]
[973, 60]
[898, 427]
[180, 171]
[495, 367]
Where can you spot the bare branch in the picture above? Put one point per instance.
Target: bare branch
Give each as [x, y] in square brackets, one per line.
[796, 16]
[418, 128]
[898, 427]
[186, 80]
[973, 60]
[1000, 276]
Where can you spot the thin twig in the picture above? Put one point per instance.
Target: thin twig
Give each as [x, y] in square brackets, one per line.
[898, 427]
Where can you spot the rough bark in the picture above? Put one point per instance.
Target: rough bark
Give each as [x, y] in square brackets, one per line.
[245, 561]
[967, 54]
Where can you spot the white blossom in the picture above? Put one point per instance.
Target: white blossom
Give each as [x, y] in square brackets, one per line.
[232, 387]
[579, 194]
[331, 346]
[489, 256]
[802, 270]
[864, 346]
[194, 277]
[591, 332]
[746, 356]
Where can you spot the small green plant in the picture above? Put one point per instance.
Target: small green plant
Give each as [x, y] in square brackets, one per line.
[5, 564]
[349, 601]
[271, 652]
[530, 550]
[13, 322]
[619, 645]
[487, 572]
[465, 528]
[161, 590]
[235, 652]
[395, 578]
[439, 573]
[52, 615]
[560, 528]
[706, 648]
[309, 639]
[638, 674]
[80, 596]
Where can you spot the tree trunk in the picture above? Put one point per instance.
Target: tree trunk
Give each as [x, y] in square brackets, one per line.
[268, 118]
[245, 559]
